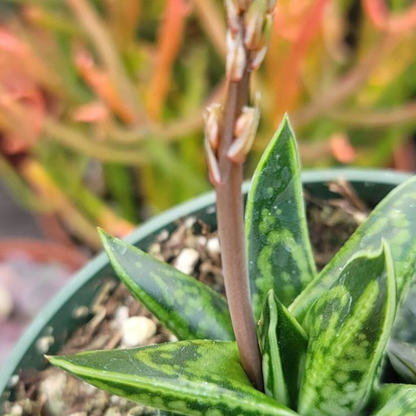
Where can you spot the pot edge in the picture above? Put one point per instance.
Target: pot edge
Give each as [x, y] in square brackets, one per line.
[155, 224]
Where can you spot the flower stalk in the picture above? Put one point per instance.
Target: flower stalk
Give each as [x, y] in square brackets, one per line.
[229, 136]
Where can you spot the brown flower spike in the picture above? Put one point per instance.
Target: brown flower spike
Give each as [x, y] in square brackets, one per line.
[229, 135]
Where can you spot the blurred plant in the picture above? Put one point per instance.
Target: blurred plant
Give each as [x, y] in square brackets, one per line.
[101, 102]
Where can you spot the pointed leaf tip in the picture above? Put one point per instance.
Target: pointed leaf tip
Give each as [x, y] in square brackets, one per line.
[105, 239]
[286, 120]
[278, 246]
[101, 232]
[190, 378]
[187, 307]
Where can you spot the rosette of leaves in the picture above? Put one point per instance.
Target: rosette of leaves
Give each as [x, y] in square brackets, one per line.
[323, 336]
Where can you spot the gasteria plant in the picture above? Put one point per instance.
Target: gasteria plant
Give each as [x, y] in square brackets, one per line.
[321, 339]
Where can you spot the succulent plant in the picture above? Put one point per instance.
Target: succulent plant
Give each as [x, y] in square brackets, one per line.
[287, 340]
[323, 337]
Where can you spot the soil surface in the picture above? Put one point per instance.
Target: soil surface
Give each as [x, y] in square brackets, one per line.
[121, 321]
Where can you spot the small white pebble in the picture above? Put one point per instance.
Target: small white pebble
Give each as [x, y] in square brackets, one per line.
[43, 344]
[213, 246]
[189, 222]
[114, 400]
[186, 260]
[80, 312]
[14, 379]
[112, 411]
[6, 303]
[155, 251]
[137, 330]
[138, 411]
[88, 387]
[202, 240]
[360, 217]
[163, 235]
[122, 314]
[211, 210]
[52, 390]
[16, 410]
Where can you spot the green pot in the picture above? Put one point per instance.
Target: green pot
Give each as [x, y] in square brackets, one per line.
[57, 318]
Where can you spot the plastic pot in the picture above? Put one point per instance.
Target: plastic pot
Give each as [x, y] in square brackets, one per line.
[57, 319]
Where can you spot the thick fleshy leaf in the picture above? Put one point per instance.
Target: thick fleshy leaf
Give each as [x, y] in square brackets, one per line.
[279, 251]
[188, 308]
[402, 357]
[196, 377]
[402, 331]
[395, 400]
[283, 344]
[349, 326]
[394, 219]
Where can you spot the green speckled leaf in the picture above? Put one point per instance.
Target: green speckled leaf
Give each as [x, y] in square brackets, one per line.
[196, 377]
[349, 326]
[395, 400]
[283, 344]
[188, 308]
[279, 251]
[394, 219]
[402, 357]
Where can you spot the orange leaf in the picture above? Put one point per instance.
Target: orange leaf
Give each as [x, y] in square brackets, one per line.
[94, 112]
[287, 87]
[101, 83]
[341, 148]
[379, 14]
[169, 42]
[21, 100]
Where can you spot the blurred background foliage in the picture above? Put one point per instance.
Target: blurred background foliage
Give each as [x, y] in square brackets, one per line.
[101, 101]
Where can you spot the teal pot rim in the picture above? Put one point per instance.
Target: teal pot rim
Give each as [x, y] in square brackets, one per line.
[150, 228]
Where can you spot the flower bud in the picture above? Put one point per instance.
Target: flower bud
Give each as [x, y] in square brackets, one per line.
[212, 162]
[271, 5]
[245, 133]
[236, 57]
[212, 124]
[267, 28]
[255, 21]
[244, 4]
[257, 57]
[233, 16]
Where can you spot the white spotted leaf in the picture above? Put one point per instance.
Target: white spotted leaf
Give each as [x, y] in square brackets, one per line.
[279, 251]
[193, 378]
[187, 307]
[348, 329]
[394, 220]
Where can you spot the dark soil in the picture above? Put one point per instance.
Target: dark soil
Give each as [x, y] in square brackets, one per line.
[194, 249]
